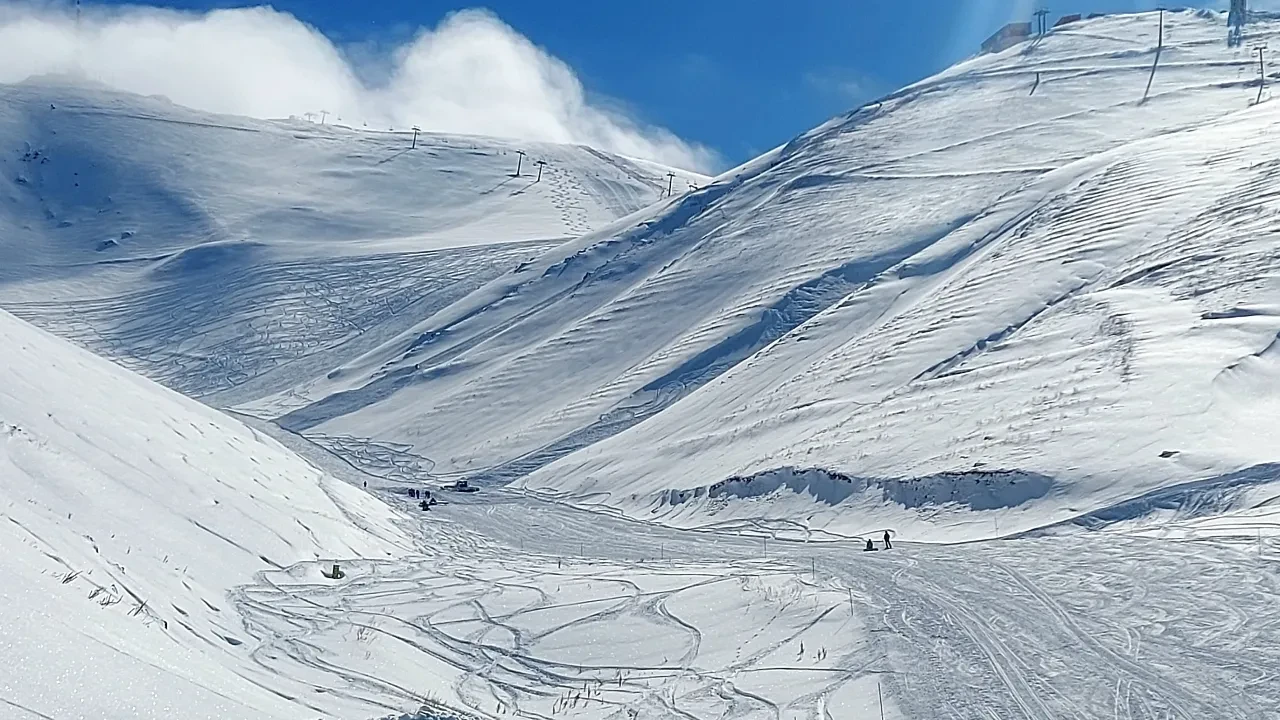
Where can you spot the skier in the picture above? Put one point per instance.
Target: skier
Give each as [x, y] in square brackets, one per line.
[424, 505]
[871, 545]
[887, 545]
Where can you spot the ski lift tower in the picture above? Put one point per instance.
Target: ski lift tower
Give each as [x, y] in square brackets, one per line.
[1236, 19]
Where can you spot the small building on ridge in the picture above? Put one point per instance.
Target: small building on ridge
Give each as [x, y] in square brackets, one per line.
[1007, 36]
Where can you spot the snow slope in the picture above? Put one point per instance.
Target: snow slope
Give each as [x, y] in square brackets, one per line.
[128, 513]
[223, 256]
[1011, 296]
[1016, 288]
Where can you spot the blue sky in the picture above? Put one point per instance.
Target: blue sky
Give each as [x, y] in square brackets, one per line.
[738, 76]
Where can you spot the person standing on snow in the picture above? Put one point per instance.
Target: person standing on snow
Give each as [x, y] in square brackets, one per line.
[887, 544]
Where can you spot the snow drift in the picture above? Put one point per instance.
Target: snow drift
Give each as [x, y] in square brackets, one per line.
[127, 516]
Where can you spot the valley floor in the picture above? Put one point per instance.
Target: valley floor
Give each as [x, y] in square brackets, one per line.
[525, 608]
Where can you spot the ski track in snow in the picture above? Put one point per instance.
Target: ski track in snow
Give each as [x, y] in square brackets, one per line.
[541, 610]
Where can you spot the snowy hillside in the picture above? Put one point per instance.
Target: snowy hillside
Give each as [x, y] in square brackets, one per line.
[212, 252]
[1016, 299]
[1015, 287]
[127, 515]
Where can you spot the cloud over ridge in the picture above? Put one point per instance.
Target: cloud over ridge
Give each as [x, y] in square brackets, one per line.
[471, 74]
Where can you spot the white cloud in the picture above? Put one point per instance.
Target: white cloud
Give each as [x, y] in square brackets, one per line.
[471, 74]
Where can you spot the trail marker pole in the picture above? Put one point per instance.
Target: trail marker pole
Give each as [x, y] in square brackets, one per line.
[323, 114]
[1156, 62]
[541, 164]
[813, 569]
[880, 695]
[416, 130]
[1262, 73]
[670, 178]
[519, 161]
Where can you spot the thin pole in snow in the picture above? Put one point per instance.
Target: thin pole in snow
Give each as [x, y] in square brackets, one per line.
[1262, 74]
[323, 114]
[416, 130]
[670, 178]
[1042, 24]
[519, 161]
[850, 601]
[766, 544]
[1156, 62]
[813, 569]
[880, 695]
[541, 164]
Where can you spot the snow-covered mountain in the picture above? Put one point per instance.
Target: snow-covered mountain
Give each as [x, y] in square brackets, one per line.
[1019, 286]
[226, 256]
[128, 514]
[1028, 286]
[1016, 298]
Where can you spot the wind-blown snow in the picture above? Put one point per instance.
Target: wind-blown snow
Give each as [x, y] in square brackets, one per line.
[127, 515]
[472, 74]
